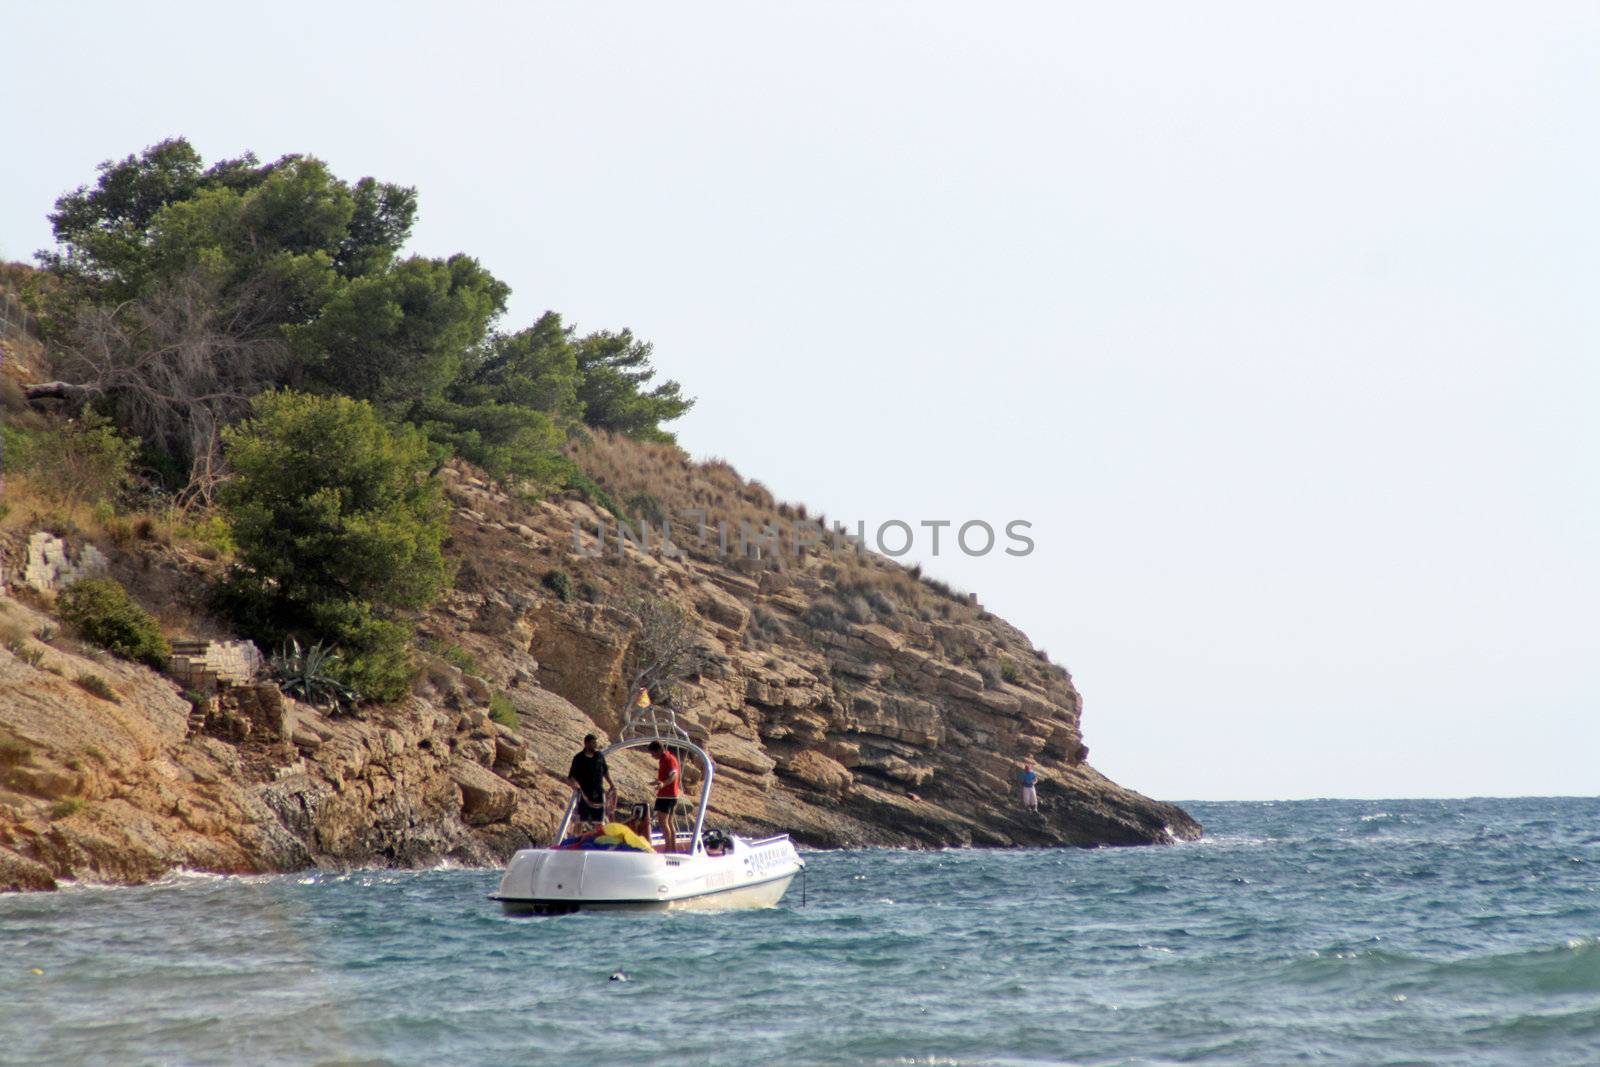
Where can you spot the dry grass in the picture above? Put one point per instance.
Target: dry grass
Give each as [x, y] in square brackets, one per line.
[866, 587]
[195, 546]
[13, 635]
[31, 506]
[14, 753]
[626, 468]
[67, 807]
[97, 686]
[14, 639]
[24, 362]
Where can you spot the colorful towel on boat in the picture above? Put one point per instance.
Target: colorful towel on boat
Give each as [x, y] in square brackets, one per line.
[612, 837]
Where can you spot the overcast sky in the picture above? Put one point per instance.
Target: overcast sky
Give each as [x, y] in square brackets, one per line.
[1279, 325]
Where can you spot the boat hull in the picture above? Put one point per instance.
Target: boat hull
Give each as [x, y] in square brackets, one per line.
[762, 895]
[543, 881]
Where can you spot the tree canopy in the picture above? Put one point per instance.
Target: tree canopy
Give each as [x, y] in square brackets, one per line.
[307, 289]
[257, 326]
[613, 369]
[151, 215]
[399, 337]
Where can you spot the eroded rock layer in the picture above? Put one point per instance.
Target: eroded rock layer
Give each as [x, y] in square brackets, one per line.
[846, 701]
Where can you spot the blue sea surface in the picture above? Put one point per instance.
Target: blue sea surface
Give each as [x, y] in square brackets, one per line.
[1326, 932]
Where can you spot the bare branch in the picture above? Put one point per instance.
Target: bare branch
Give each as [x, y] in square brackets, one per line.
[666, 646]
[178, 367]
[78, 394]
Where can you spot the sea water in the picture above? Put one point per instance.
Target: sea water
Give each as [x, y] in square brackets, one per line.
[1327, 932]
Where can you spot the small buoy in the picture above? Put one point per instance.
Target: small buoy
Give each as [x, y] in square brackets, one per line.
[36, 970]
[618, 976]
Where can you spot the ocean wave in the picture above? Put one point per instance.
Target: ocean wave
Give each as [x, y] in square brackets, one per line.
[1224, 841]
[177, 878]
[1333, 965]
[1446, 933]
[1538, 1026]
[1382, 823]
[1573, 967]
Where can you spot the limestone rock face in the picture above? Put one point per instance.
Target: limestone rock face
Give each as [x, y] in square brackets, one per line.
[485, 797]
[845, 701]
[19, 873]
[843, 698]
[814, 770]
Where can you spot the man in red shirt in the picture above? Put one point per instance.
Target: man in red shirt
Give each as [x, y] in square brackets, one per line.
[666, 795]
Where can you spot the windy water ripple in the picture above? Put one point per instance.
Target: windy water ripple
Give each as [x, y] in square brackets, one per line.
[1460, 932]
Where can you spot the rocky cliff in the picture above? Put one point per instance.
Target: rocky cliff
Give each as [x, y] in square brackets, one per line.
[846, 700]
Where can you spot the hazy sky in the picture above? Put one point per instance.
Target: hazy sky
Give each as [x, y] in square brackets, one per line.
[1279, 325]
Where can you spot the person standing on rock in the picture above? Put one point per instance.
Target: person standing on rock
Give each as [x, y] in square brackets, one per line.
[590, 776]
[666, 795]
[1030, 792]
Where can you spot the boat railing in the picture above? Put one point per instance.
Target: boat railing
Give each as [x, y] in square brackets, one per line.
[653, 721]
[678, 738]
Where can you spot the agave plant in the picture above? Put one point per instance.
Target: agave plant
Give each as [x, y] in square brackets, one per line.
[308, 674]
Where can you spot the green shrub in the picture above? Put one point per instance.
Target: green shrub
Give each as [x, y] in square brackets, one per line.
[1010, 672]
[339, 526]
[513, 444]
[454, 655]
[103, 613]
[990, 673]
[501, 710]
[647, 507]
[374, 655]
[209, 529]
[559, 583]
[575, 479]
[93, 683]
[85, 460]
[67, 807]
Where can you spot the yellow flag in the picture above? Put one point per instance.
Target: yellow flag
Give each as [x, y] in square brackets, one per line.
[644, 699]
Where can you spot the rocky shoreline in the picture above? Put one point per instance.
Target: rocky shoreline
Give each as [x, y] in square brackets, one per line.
[845, 702]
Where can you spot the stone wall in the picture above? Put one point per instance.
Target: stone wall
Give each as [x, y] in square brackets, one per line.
[52, 565]
[206, 664]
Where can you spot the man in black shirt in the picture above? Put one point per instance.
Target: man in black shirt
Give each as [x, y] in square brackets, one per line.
[590, 776]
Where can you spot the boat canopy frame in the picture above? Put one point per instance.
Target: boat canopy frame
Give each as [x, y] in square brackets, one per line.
[642, 727]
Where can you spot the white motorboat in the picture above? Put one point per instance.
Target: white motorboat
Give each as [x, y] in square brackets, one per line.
[709, 869]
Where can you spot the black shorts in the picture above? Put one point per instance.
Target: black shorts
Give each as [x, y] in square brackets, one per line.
[588, 812]
[666, 805]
